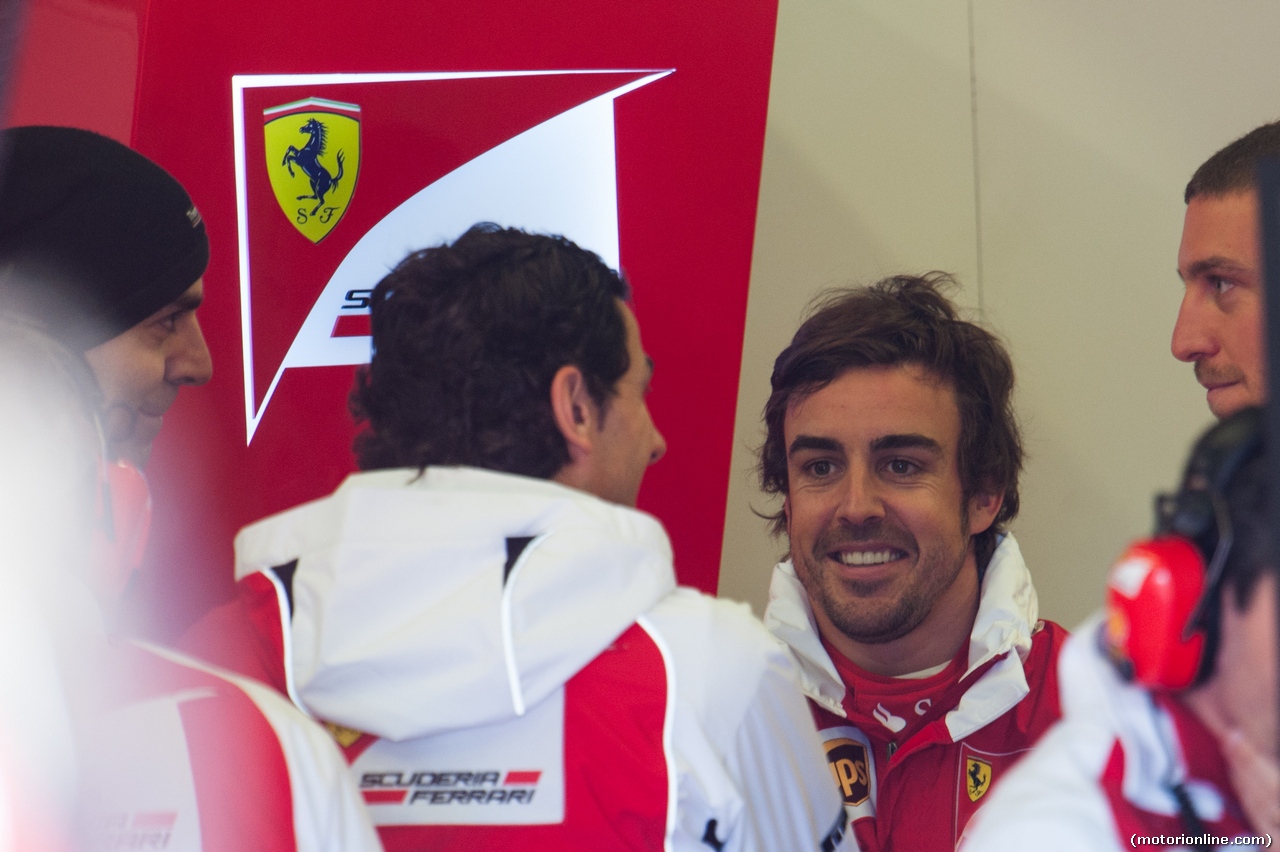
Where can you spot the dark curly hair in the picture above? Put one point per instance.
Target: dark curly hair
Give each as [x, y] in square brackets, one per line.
[1234, 168]
[467, 338]
[905, 320]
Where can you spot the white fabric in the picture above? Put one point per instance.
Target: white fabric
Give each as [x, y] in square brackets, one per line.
[402, 596]
[403, 627]
[1006, 618]
[746, 749]
[142, 765]
[1053, 798]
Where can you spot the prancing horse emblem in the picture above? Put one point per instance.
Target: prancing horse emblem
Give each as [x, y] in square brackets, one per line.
[308, 159]
[977, 778]
[299, 137]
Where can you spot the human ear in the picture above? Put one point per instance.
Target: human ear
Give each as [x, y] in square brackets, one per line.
[983, 508]
[574, 411]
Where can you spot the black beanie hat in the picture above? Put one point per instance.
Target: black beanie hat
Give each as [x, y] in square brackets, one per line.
[94, 237]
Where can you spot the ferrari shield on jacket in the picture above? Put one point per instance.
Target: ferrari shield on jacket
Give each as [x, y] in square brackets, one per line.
[912, 775]
[508, 661]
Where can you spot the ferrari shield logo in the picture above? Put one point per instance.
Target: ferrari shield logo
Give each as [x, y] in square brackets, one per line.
[977, 775]
[344, 736]
[313, 158]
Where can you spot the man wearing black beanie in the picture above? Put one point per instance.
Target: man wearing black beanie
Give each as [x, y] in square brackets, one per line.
[105, 251]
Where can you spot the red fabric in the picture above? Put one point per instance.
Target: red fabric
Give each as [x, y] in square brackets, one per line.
[244, 636]
[241, 779]
[922, 799]
[1204, 764]
[614, 765]
[899, 696]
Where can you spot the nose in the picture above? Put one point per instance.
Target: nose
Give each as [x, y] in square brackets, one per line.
[861, 500]
[1193, 338]
[659, 446]
[189, 361]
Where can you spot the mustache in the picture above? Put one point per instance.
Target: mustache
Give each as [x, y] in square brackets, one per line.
[875, 529]
[1207, 374]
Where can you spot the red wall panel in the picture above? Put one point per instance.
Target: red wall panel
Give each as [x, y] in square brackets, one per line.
[688, 149]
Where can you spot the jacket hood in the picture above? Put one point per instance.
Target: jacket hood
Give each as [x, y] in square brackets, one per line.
[408, 617]
[1007, 614]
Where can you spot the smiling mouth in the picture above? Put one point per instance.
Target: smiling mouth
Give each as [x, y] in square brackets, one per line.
[868, 557]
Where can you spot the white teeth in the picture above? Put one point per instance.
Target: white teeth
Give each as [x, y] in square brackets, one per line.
[864, 557]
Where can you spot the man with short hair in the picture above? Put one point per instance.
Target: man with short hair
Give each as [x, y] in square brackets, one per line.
[104, 252]
[892, 439]
[491, 629]
[1220, 322]
[1169, 737]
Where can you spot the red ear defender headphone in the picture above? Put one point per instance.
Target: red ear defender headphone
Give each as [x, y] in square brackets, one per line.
[1162, 594]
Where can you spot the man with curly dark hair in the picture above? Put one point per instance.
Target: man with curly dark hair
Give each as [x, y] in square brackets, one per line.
[491, 630]
[892, 439]
[513, 352]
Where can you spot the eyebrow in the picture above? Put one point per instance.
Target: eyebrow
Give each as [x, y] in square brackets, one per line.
[810, 442]
[910, 441]
[186, 302]
[1200, 267]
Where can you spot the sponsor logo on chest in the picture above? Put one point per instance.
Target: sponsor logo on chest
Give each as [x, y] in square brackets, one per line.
[976, 771]
[853, 768]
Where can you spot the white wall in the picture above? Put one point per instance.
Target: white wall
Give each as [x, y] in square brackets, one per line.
[1038, 150]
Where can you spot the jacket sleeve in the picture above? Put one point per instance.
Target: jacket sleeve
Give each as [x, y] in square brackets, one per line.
[789, 798]
[751, 773]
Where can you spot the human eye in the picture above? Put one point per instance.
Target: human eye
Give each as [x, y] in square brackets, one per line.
[168, 323]
[1220, 286]
[901, 467]
[820, 468]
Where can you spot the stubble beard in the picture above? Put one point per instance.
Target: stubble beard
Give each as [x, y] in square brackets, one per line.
[860, 609]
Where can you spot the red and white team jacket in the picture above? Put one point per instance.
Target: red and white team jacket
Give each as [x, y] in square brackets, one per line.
[1103, 777]
[912, 773]
[189, 759]
[508, 662]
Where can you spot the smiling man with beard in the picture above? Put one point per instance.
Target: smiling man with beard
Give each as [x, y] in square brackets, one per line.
[892, 438]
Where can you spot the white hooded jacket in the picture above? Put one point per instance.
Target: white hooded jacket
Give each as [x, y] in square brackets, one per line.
[917, 793]
[444, 613]
[1007, 619]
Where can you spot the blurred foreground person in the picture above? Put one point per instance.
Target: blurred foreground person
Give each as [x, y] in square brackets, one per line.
[50, 639]
[103, 250]
[106, 744]
[493, 631]
[1179, 672]
[892, 439]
